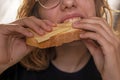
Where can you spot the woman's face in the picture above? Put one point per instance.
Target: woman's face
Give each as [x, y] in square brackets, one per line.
[69, 9]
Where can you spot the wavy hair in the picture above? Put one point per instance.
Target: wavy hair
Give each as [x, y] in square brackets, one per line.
[39, 59]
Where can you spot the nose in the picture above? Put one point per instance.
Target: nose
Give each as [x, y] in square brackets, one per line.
[68, 4]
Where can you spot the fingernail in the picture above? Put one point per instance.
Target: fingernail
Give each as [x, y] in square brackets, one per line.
[31, 34]
[49, 29]
[75, 24]
[81, 35]
[54, 24]
[41, 32]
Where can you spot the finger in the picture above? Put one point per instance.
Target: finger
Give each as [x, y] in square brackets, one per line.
[23, 46]
[110, 51]
[95, 51]
[42, 23]
[16, 28]
[104, 44]
[101, 22]
[44, 26]
[94, 28]
[27, 22]
[50, 23]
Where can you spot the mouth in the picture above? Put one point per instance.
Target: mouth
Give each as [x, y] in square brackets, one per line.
[75, 19]
[71, 18]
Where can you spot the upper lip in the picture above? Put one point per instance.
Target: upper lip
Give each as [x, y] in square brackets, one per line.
[69, 16]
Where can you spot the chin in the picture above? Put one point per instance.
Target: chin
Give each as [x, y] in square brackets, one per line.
[77, 43]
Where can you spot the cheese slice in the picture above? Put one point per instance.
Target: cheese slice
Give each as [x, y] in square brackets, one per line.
[61, 28]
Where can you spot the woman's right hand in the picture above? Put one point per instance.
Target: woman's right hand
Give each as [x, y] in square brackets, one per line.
[12, 38]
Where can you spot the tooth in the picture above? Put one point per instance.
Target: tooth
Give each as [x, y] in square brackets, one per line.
[73, 19]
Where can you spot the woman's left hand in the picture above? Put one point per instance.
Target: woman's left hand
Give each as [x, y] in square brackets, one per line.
[103, 44]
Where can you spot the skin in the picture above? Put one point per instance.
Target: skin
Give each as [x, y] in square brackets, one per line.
[106, 55]
[74, 53]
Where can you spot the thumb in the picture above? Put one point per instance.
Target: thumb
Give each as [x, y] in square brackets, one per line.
[29, 49]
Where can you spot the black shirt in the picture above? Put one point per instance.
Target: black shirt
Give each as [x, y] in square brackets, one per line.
[17, 72]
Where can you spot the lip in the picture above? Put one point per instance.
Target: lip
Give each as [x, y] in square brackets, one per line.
[69, 16]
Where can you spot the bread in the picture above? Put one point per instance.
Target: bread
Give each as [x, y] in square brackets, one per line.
[63, 33]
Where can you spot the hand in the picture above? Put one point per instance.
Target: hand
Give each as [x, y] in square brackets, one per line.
[103, 45]
[12, 38]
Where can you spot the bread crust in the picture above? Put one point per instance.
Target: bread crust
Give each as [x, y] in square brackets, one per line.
[56, 40]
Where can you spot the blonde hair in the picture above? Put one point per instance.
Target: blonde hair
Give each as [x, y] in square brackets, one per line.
[39, 59]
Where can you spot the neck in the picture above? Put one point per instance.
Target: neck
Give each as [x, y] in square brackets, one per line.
[72, 55]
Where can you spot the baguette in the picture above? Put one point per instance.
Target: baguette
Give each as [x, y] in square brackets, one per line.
[63, 33]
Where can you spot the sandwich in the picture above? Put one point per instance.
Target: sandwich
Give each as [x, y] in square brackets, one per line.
[61, 34]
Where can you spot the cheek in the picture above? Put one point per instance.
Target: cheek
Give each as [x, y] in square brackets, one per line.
[48, 15]
[89, 8]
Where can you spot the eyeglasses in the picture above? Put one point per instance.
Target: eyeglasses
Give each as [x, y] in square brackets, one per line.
[48, 4]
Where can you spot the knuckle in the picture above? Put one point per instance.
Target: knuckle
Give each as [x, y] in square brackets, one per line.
[2, 26]
[85, 34]
[17, 27]
[41, 31]
[103, 19]
[98, 26]
[22, 21]
[42, 24]
[117, 44]
[41, 21]
[45, 20]
[111, 48]
[32, 17]
[117, 39]
[97, 36]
